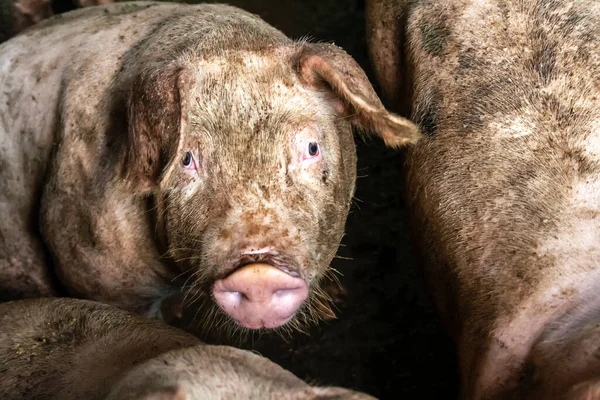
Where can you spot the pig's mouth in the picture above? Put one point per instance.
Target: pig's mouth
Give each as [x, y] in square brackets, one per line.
[261, 292]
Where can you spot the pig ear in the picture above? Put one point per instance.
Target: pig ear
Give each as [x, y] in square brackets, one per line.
[328, 67]
[157, 113]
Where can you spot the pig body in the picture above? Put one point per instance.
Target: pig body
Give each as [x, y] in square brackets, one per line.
[151, 150]
[505, 187]
[79, 349]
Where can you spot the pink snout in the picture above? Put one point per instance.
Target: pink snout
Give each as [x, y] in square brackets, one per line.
[260, 295]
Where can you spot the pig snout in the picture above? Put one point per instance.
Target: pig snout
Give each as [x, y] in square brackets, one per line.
[260, 295]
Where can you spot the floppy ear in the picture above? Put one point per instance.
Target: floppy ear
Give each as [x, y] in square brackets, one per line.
[157, 111]
[328, 67]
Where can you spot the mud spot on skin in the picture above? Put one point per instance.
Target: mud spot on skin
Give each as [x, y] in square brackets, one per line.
[435, 35]
[467, 59]
[543, 60]
[572, 21]
[486, 98]
[427, 115]
[563, 113]
[288, 180]
[253, 228]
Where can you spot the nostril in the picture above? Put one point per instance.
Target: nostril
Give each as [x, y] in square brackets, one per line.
[286, 290]
[234, 298]
[237, 296]
[284, 294]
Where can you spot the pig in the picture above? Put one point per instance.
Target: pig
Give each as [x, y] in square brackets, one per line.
[504, 188]
[65, 348]
[152, 151]
[18, 15]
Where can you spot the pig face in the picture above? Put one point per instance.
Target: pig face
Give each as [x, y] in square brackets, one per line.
[252, 162]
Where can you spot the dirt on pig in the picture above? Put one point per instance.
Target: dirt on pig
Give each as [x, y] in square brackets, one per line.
[387, 340]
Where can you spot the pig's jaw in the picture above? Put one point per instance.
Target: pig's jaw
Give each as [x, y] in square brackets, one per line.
[260, 296]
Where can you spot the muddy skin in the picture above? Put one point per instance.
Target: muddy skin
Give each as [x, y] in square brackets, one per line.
[504, 189]
[200, 153]
[79, 349]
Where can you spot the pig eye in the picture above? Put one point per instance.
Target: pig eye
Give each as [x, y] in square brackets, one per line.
[188, 161]
[311, 153]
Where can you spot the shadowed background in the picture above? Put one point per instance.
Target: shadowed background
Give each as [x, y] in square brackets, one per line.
[387, 340]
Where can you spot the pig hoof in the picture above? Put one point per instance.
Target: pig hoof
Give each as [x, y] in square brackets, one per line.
[260, 295]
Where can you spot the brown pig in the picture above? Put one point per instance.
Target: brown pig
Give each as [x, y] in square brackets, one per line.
[150, 149]
[505, 185]
[79, 349]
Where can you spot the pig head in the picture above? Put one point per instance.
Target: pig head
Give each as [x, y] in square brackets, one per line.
[259, 173]
[504, 187]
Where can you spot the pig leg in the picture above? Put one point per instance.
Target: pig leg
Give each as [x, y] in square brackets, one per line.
[24, 269]
[94, 234]
[91, 263]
